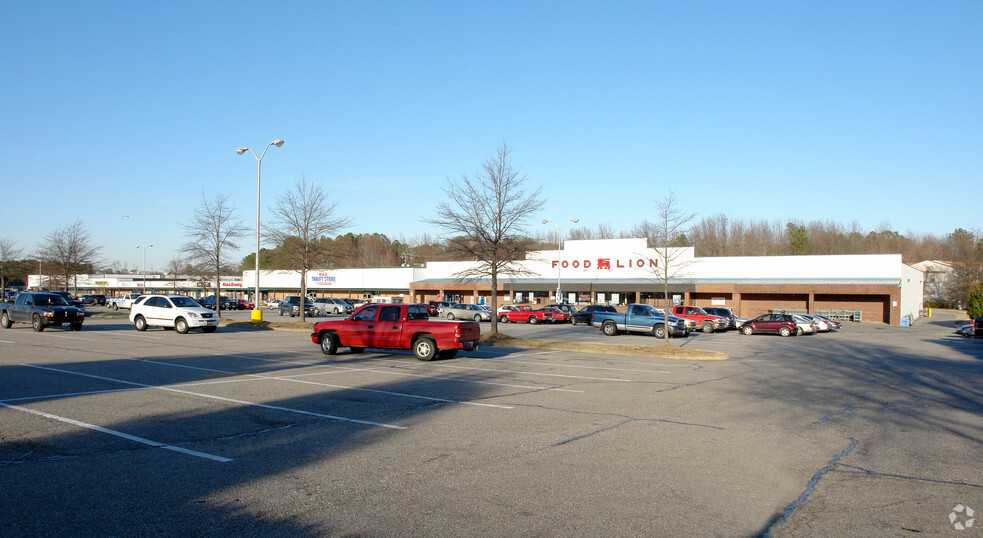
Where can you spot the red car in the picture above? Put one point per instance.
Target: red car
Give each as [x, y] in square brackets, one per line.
[242, 304]
[525, 313]
[781, 324]
[559, 316]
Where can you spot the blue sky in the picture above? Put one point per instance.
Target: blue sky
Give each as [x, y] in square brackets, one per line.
[843, 111]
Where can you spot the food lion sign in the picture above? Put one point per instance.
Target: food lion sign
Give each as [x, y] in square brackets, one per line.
[321, 279]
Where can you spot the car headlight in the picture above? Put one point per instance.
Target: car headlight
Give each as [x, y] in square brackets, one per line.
[48, 314]
[193, 315]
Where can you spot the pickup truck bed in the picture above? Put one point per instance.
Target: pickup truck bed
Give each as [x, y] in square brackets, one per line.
[640, 318]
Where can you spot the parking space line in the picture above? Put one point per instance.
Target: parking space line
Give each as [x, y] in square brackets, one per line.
[70, 337]
[403, 374]
[220, 398]
[119, 434]
[293, 379]
[7, 342]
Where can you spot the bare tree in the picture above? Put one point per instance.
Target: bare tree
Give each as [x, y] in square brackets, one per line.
[8, 252]
[71, 249]
[302, 220]
[175, 266]
[485, 216]
[213, 230]
[669, 226]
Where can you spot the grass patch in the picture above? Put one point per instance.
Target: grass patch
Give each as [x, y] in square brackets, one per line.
[659, 351]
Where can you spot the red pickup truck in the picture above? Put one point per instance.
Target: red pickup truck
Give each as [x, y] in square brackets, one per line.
[706, 322]
[525, 313]
[397, 326]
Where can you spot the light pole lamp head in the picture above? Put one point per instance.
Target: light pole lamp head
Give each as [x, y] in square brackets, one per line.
[278, 142]
[545, 221]
[575, 221]
[240, 151]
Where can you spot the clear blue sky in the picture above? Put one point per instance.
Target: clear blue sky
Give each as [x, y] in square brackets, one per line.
[847, 111]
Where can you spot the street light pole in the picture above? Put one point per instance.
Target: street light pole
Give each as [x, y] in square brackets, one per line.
[257, 314]
[559, 264]
[145, 265]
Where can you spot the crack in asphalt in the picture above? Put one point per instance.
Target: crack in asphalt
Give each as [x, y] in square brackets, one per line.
[861, 470]
[687, 385]
[849, 409]
[787, 512]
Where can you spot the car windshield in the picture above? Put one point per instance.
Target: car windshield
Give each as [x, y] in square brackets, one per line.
[48, 299]
[184, 302]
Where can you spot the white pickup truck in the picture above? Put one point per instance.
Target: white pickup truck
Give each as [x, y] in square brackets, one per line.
[124, 301]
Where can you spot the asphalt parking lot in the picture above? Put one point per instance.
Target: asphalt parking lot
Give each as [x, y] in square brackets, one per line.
[873, 430]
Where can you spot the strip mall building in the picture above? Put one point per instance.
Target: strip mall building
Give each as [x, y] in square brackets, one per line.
[620, 271]
[616, 271]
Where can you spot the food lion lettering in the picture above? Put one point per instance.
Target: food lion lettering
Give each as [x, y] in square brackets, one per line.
[606, 263]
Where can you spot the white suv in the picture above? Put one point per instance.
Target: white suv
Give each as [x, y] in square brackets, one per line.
[182, 313]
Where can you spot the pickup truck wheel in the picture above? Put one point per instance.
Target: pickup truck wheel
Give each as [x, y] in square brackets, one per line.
[533, 320]
[424, 348]
[450, 315]
[609, 328]
[747, 329]
[503, 318]
[140, 324]
[447, 353]
[76, 326]
[785, 331]
[329, 343]
[5, 321]
[115, 306]
[659, 331]
[281, 312]
[181, 326]
[707, 327]
[36, 323]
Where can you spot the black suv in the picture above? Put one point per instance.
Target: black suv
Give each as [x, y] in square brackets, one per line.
[291, 305]
[724, 313]
[586, 314]
[41, 309]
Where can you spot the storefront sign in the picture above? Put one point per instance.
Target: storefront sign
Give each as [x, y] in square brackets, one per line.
[322, 279]
[608, 263]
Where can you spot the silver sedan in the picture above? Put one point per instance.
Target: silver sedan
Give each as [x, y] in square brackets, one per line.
[466, 311]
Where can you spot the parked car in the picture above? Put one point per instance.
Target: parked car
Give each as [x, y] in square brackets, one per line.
[439, 305]
[291, 305]
[586, 314]
[963, 330]
[976, 328]
[225, 302]
[525, 313]
[833, 324]
[804, 325]
[177, 311]
[708, 323]
[466, 311]
[725, 313]
[781, 324]
[559, 316]
[397, 326]
[41, 309]
[71, 299]
[243, 304]
[567, 309]
[641, 318]
[324, 305]
[505, 308]
[93, 299]
[822, 326]
[273, 304]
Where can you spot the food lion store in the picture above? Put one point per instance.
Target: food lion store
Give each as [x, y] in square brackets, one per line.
[875, 287]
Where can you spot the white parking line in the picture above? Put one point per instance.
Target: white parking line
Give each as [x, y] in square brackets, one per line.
[120, 434]
[70, 337]
[293, 379]
[220, 398]
[399, 374]
[7, 342]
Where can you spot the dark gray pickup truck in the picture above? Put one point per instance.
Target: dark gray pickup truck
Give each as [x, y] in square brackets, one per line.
[41, 309]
